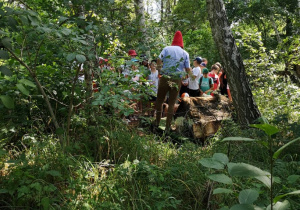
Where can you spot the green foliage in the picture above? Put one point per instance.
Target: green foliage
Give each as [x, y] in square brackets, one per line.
[110, 165]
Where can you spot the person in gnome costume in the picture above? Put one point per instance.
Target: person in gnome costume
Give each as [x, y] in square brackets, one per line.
[132, 54]
[172, 63]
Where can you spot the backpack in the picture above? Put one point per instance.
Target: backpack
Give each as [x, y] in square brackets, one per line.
[209, 81]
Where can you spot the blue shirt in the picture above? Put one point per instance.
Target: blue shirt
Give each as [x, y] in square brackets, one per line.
[175, 59]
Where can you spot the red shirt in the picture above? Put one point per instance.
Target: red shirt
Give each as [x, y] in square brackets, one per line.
[215, 80]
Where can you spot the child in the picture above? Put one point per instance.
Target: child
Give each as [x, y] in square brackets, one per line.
[205, 83]
[184, 85]
[214, 75]
[153, 78]
[204, 60]
[194, 76]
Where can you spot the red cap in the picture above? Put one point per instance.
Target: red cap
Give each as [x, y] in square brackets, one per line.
[132, 53]
[178, 41]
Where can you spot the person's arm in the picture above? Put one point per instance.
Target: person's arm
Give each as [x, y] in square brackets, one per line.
[159, 65]
[211, 89]
[187, 67]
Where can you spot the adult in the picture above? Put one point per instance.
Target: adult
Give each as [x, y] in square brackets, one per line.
[194, 77]
[175, 61]
[132, 54]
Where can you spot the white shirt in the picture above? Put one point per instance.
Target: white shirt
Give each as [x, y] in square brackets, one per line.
[153, 77]
[194, 83]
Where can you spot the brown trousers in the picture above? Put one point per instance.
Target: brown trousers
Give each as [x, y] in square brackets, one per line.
[163, 88]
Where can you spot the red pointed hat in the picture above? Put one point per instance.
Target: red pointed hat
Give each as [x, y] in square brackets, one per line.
[178, 41]
[132, 52]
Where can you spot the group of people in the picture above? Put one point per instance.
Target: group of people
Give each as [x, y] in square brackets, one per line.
[171, 77]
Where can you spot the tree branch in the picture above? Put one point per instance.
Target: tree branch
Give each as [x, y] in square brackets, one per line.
[50, 109]
[71, 103]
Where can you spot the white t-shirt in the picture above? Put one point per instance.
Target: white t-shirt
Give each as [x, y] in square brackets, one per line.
[194, 83]
[135, 76]
[153, 77]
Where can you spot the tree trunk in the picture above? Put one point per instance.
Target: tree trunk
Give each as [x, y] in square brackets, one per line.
[161, 11]
[275, 29]
[243, 101]
[140, 16]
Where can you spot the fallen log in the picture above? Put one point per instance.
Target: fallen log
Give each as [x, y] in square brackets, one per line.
[202, 116]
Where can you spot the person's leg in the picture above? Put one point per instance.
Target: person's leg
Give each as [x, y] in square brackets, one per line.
[163, 89]
[173, 94]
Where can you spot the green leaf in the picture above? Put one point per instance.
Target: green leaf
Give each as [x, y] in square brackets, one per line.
[265, 180]
[24, 20]
[62, 19]
[238, 139]
[45, 202]
[80, 58]
[221, 191]
[211, 163]
[224, 208]
[222, 178]
[71, 57]
[242, 207]
[4, 55]
[6, 71]
[277, 198]
[37, 186]
[268, 129]
[280, 206]
[2, 32]
[66, 31]
[7, 101]
[27, 82]
[221, 158]
[3, 191]
[277, 153]
[34, 20]
[293, 178]
[53, 173]
[6, 42]
[248, 196]
[23, 89]
[246, 170]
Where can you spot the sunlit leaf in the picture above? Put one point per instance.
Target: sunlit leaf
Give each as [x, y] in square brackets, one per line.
[267, 128]
[280, 206]
[238, 139]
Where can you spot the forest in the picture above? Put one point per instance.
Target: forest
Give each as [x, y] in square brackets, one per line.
[79, 127]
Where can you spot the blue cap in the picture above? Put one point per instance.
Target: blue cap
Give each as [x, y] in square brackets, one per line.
[203, 64]
[198, 59]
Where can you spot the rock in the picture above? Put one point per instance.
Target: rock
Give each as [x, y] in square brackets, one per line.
[203, 115]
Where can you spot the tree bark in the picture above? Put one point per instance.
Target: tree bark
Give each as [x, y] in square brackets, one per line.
[243, 100]
[161, 11]
[140, 16]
